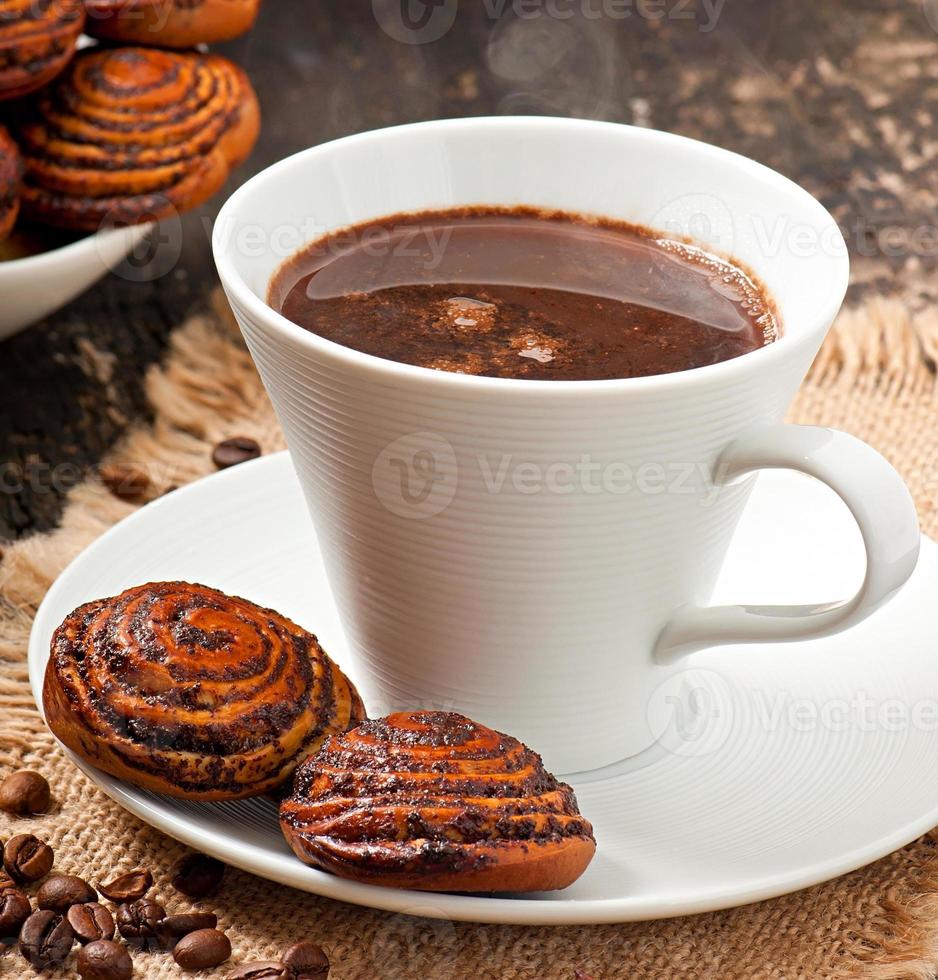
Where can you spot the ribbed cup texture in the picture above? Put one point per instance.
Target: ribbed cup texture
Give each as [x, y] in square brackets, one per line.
[512, 553]
[511, 550]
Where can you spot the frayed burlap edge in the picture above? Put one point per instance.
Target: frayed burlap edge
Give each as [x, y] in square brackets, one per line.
[875, 377]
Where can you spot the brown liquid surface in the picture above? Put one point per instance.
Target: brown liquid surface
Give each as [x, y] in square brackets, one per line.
[522, 294]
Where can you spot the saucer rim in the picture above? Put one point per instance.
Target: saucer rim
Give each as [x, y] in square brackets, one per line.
[286, 869]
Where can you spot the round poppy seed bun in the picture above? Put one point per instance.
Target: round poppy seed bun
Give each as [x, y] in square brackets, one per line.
[170, 23]
[130, 135]
[37, 41]
[433, 801]
[11, 170]
[184, 690]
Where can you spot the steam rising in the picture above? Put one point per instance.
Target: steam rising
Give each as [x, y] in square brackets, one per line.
[558, 66]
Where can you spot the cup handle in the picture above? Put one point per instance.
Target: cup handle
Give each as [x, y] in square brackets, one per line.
[877, 498]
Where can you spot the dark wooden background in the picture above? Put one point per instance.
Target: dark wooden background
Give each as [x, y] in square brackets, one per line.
[838, 94]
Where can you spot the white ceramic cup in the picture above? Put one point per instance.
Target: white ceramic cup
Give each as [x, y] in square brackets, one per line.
[538, 555]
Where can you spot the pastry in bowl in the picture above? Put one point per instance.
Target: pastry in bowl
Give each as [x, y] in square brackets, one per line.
[11, 169]
[37, 40]
[433, 801]
[170, 23]
[130, 135]
[185, 690]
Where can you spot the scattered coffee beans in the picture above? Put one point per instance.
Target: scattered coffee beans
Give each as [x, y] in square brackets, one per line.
[128, 887]
[198, 875]
[104, 960]
[91, 922]
[24, 792]
[307, 961]
[261, 970]
[125, 482]
[46, 939]
[26, 858]
[174, 927]
[230, 452]
[202, 949]
[14, 911]
[68, 910]
[138, 920]
[61, 892]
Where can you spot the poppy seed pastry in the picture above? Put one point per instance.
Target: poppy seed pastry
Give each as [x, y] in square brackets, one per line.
[11, 169]
[129, 135]
[184, 690]
[170, 23]
[433, 801]
[37, 40]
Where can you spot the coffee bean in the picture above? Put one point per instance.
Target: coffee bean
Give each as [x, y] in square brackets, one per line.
[104, 960]
[5, 880]
[14, 911]
[230, 452]
[27, 858]
[307, 961]
[125, 482]
[174, 927]
[261, 970]
[24, 792]
[202, 949]
[91, 922]
[139, 920]
[197, 875]
[128, 887]
[46, 938]
[61, 892]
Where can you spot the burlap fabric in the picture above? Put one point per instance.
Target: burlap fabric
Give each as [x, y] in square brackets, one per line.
[875, 377]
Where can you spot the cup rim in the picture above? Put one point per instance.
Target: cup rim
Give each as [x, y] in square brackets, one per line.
[388, 371]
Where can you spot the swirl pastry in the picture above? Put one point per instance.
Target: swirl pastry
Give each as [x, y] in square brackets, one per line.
[37, 40]
[10, 172]
[129, 135]
[434, 801]
[170, 23]
[184, 690]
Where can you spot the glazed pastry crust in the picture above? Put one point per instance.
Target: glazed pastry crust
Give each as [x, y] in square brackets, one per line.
[37, 41]
[130, 135]
[184, 690]
[170, 23]
[433, 801]
[11, 170]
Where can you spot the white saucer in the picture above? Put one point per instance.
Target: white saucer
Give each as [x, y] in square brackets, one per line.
[790, 764]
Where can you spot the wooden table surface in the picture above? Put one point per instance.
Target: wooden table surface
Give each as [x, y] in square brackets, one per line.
[840, 95]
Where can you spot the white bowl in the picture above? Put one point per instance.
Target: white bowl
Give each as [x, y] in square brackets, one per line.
[35, 286]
